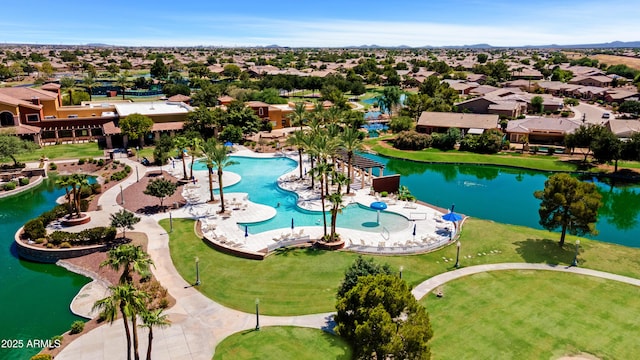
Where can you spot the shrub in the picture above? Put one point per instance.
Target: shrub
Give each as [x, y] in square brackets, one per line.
[384, 194]
[56, 341]
[81, 161]
[564, 114]
[40, 240]
[114, 166]
[84, 205]
[9, 186]
[96, 188]
[65, 245]
[551, 151]
[86, 191]
[164, 303]
[100, 162]
[24, 181]
[53, 166]
[127, 169]
[49, 246]
[34, 229]
[41, 357]
[411, 140]
[77, 327]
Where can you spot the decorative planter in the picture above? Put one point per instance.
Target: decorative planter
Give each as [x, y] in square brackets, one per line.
[73, 221]
[336, 245]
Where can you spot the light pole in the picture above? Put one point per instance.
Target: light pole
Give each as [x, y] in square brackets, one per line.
[121, 196]
[197, 271]
[401, 268]
[138, 153]
[575, 258]
[257, 314]
[457, 265]
[170, 222]
[137, 176]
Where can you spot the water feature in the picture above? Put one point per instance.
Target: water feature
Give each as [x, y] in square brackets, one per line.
[506, 195]
[259, 177]
[34, 297]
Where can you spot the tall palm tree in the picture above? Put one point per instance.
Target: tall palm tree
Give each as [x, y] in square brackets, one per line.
[89, 82]
[299, 115]
[336, 207]
[221, 159]
[298, 139]
[77, 181]
[136, 305]
[118, 301]
[320, 172]
[122, 81]
[151, 318]
[130, 257]
[350, 141]
[208, 149]
[63, 181]
[195, 147]
[68, 83]
[181, 142]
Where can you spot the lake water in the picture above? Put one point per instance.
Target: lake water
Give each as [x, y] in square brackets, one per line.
[34, 298]
[506, 195]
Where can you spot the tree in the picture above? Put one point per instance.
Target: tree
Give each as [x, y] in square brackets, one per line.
[77, 181]
[361, 267]
[217, 156]
[159, 69]
[583, 138]
[298, 139]
[537, 104]
[390, 98]
[607, 147]
[204, 121]
[124, 220]
[117, 301]
[68, 83]
[381, 319]
[136, 126]
[162, 150]
[11, 145]
[122, 81]
[231, 70]
[160, 188]
[195, 148]
[482, 58]
[569, 204]
[298, 116]
[351, 142]
[131, 258]
[89, 82]
[151, 319]
[401, 123]
[181, 142]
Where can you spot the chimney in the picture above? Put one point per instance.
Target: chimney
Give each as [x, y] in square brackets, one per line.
[35, 100]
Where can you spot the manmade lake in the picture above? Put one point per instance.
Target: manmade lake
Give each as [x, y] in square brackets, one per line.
[35, 297]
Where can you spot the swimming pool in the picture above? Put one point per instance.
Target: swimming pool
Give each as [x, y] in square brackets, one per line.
[259, 179]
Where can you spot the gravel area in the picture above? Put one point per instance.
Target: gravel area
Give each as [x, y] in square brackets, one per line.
[136, 201]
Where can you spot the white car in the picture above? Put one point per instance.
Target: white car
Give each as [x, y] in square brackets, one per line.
[606, 115]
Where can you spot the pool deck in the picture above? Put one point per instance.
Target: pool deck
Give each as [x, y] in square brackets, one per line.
[431, 231]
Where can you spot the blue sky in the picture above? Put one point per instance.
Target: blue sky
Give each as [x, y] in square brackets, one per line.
[319, 23]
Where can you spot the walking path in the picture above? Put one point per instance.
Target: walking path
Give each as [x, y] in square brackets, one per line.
[199, 324]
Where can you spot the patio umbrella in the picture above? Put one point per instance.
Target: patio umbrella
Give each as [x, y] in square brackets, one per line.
[228, 144]
[378, 206]
[451, 216]
[414, 231]
[246, 232]
[292, 225]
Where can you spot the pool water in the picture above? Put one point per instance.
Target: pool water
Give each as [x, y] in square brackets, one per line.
[259, 179]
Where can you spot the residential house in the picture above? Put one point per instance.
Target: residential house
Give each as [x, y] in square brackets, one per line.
[619, 95]
[541, 130]
[439, 122]
[595, 80]
[623, 129]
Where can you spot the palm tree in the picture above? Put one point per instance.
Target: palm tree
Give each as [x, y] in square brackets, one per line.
[121, 298]
[68, 83]
[151, 318]
[77, 181]
[132, 258]
[122, 82]
[350, 141]
[181, 143]
[64, 182]
[207, 149]
[89, 83]
[299, 115]
[195, 147]
[320, 172]
[298, 139]
[336, 207]
[221, 159]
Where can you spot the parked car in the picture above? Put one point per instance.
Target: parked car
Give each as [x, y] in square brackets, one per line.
[606, 115]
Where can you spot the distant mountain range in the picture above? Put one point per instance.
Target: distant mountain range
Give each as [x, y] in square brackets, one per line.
[609, 45]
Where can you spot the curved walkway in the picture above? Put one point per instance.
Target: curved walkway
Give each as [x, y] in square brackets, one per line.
[431, 284]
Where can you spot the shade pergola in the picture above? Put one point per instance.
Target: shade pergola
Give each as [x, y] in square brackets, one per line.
[361, 162]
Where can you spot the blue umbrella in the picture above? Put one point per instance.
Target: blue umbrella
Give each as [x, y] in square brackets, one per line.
[414, 229]
[451, 216]
[228, 143]
[291, 224]
[246, 231]
[378, 205]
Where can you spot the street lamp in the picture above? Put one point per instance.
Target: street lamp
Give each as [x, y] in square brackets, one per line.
[401, 268]
[197, 271]
[575, 258]
[137, 176]
[257, 314]
[121, 196]
[457, 265]
[170, 222]
[138, 153]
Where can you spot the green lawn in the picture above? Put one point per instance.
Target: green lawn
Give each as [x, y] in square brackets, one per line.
[283, 342]
[536, 162]
[298, 282]
[534, 315]
[63, 151]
